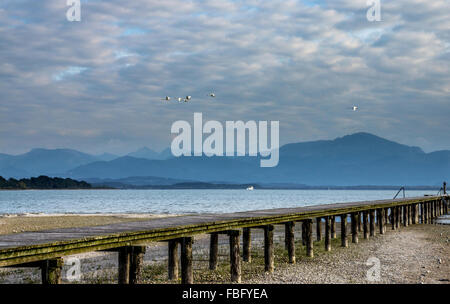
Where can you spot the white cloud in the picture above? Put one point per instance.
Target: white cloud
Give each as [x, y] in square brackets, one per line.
[292, 61]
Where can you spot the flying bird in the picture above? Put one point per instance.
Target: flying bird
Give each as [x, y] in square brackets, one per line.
[167, 98]
[212, 95]
[354, 108]
[187, 98]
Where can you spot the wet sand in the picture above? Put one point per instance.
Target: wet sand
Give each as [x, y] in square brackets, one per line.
[36, 222]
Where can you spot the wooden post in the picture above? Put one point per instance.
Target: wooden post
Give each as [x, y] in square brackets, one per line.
[386, 218]
[414, 218]
[213, 251]
[430, 213]
[327, 233]
[333, 227]
[380, 216]
[416, 215]
[173, 263]
[51, 271]
[372, 222]
[303, 233]
[409, 214]
[429, 210]
[425, 213]
[290, 241]
[421, 213]
[344, 240]
[136, 264]
[318, 229]
[405, 216]
[393, 218]
[247, 243]
[365, 225]
[235, 256]
[124, 265]
[268, 248]
[358, 218]
[308, 238]
[187, 276]
[353, 217]
[397, 217]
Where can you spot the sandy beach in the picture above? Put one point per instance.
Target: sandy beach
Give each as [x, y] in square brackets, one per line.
[35, 222]
[414, 254]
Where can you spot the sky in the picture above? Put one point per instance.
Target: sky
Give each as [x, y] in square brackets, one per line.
[97, 85]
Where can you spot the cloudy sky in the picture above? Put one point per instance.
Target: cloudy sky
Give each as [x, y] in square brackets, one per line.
[96, 85]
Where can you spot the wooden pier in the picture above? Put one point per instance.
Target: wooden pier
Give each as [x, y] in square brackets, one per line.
[46, 249]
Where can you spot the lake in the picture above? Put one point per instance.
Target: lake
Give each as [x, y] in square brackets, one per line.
[177, 201]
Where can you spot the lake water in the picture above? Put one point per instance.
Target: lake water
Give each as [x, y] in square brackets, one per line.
[177, 201]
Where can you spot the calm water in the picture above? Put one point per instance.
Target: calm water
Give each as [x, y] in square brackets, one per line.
[176, 201]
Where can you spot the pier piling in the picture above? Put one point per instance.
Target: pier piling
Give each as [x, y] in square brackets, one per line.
[187, 276]
[173, 262]
[318, 229]
[372, 222]
[136, 263]
[344, 240]
[124, 264]
[268, 248]
[235, 256]
[327, 233]
[51, 271]
[365, 225]
[213, 251]
[308, 238]
[247, 244]
[354, 218]
[290, 241]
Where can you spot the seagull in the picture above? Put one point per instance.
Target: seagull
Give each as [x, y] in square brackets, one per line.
[187, 98]
[212, 95]
[166, 99]
[354, 108]
[180, 99]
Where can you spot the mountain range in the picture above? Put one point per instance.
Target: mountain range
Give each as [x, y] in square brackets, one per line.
[357, 159]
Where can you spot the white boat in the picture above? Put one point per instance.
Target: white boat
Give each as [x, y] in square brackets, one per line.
[250, 188]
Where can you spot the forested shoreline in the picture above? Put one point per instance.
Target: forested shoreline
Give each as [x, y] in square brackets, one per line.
[42, 182]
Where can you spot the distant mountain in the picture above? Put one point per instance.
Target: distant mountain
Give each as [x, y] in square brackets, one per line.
[107, 156]
[43, 162]
[56, 162]
[358, 159]
[150, 154]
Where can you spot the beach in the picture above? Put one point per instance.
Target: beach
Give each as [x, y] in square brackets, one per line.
[414, 254]
[35, 222]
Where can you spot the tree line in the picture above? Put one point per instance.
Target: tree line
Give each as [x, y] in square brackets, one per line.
[42, 182]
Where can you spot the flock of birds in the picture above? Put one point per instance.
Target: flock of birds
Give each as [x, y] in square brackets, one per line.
[187, 98]
[213, 95]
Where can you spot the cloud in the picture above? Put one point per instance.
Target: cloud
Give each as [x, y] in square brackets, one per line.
[96, 85]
